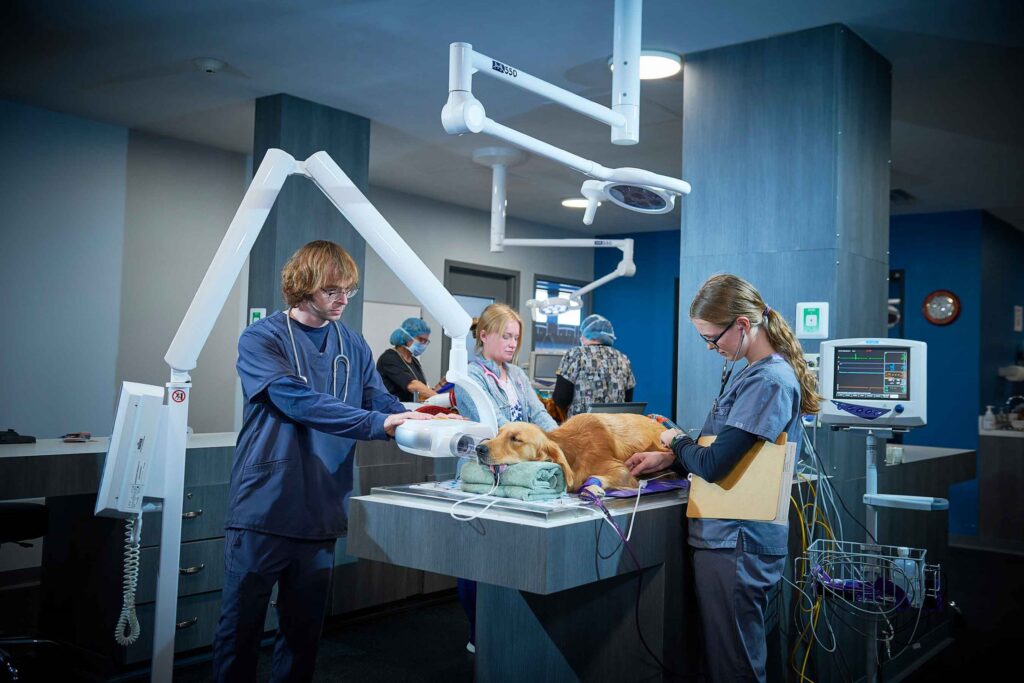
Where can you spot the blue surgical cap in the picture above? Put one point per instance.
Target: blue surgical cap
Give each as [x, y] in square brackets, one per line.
[597, 328]
[411, 327]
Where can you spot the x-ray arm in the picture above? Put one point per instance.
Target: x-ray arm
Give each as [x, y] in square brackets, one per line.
[245, 227]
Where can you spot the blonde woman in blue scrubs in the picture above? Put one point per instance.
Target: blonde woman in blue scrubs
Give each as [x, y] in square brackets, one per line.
[737, 562]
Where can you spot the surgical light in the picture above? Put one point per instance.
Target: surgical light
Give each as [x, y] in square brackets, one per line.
[556, 305]
[655, 64]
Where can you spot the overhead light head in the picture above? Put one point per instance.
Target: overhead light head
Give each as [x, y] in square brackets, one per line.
[655, 64]
[640, 198]
[554, 306]
[635, 196]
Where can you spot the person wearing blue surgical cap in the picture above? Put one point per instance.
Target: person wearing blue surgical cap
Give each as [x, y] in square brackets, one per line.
[594, 372]
[400, 367]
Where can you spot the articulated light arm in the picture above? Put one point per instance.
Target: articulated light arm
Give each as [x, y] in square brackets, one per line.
[245, 227]
[638, 190]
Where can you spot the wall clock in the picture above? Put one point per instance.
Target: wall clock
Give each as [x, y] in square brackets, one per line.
[941, 307]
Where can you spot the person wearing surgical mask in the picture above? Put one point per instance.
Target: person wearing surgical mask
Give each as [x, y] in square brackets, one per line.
[594, 372]
[400, 367]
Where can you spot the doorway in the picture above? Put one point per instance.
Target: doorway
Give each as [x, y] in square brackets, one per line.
[475, 288]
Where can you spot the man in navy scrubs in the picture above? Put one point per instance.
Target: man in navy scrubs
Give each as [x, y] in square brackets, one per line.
[311, 392]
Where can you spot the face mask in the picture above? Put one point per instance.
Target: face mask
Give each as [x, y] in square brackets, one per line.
[417, 348]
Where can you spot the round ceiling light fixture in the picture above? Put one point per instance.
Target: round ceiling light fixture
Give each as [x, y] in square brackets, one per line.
[655, 64]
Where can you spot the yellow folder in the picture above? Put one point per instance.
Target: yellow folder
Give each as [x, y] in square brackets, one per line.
[750, 491]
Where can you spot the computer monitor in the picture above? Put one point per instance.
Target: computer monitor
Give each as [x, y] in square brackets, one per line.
[879, 382]
[639, 407]
[544, 366]
[133, 446]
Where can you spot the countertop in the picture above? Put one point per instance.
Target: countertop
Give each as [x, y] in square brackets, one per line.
[99, 445]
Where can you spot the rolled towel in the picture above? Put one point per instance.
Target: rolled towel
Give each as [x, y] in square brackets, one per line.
[525, 480]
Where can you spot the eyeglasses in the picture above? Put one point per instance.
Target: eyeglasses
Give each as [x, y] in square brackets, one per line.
[714, 340]
[335, 293]
[423, 340]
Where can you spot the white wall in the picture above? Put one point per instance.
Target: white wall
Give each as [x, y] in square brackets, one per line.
[437, 231]
[62, 197]
[181, 197]
[105, 236]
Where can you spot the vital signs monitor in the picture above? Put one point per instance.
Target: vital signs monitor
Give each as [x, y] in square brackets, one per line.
[874, 382]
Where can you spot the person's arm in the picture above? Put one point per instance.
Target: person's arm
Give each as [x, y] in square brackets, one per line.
[423, 389]
[563, 393]
[464, 404]
[323, 412]
[712, 463]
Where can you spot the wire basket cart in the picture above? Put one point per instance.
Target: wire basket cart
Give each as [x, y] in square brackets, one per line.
[872, 578]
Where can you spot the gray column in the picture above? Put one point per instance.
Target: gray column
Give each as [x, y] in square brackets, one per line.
[786, 143]
[302, 213]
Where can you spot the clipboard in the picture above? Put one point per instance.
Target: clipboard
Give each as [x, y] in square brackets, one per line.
[753, 490]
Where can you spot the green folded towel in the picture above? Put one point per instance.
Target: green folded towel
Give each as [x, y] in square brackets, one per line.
[525, 480]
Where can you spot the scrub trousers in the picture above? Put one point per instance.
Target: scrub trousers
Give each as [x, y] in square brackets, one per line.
[253, 563]
[732, 597]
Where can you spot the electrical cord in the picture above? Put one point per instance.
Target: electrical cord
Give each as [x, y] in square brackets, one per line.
[129, 621]
[587, 495]
[842, 502]
[470, 518]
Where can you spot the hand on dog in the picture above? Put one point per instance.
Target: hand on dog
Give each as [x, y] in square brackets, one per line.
[649, 461]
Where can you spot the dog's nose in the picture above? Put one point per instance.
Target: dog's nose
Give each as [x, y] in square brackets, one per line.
[483, 452]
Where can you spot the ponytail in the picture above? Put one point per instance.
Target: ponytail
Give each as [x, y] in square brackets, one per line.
[782, 339]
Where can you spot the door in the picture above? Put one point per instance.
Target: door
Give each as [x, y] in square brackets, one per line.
[477, 287]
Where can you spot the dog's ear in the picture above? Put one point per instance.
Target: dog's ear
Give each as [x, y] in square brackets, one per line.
[551, 452]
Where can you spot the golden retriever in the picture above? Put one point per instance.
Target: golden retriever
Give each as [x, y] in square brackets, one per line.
[587, 445]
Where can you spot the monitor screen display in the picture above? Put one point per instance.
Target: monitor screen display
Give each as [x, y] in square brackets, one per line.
[545, 365]
[872, 372]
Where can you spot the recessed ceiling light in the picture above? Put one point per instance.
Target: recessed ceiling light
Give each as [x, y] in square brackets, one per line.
[576, 203]
[655, 64]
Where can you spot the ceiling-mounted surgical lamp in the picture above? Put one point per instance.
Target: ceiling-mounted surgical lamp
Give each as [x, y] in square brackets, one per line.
[635, 189]
[499, 159]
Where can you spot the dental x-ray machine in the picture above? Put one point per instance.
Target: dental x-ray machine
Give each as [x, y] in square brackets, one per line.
[631, 188]
[162, 455]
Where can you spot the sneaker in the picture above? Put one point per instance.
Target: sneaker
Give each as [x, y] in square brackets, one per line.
[471, 648]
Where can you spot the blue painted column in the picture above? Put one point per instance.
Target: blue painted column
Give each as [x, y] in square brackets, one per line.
[302, 213]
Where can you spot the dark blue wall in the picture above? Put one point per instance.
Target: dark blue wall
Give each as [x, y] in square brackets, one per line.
[979, 258]
[943, 251]
[642, 310]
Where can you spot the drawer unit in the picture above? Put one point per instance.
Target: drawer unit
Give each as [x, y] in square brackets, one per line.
[201, 569]
[202, 515]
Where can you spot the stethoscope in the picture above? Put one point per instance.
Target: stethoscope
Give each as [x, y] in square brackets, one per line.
[727, 374]
[340, 357]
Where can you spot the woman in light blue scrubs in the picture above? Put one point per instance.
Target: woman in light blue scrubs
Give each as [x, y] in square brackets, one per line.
[498, 334]
[737, 562]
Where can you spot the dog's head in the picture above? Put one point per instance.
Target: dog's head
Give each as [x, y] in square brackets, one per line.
[518, 442]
